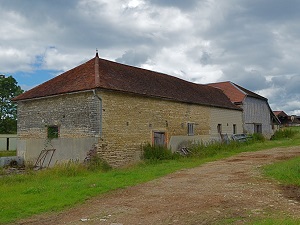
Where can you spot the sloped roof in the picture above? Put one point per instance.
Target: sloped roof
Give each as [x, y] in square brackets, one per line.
[280, 113]
[235, 92]
[120, 77]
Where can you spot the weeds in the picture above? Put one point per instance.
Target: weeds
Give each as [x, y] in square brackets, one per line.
[201, 150]
[96, 163]
[284, 134]
[258, 137]
[8, 153]
[156, 153]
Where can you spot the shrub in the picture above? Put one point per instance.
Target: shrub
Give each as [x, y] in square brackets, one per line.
[258, 137]
[158, 153]
[96, 163]
[284, 134]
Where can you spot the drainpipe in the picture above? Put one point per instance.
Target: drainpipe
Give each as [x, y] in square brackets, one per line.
[100, 100]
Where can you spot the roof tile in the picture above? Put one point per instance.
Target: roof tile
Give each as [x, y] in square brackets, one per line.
[120, 77]
[235, 92]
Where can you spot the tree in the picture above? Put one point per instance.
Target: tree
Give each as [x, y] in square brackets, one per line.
[8, 110]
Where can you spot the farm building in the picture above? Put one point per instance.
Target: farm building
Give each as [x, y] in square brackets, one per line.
[282, 116]
[117, 109]
[257, 114]
[287, 120]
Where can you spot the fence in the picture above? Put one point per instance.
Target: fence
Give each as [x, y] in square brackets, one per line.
[8, 142]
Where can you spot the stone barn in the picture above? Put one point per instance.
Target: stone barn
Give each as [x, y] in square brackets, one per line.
[117, 109]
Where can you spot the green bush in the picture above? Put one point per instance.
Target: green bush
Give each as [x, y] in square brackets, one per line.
[154, 153]
[256, 137]
[284, 134]
[96, 163]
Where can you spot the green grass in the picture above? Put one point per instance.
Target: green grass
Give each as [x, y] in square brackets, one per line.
[55, 189]
[276, 220]
[285, 133]
[287, 172]
[67, 185]
[8, 153]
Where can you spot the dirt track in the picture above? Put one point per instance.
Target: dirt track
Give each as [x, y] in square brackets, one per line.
[227, 190]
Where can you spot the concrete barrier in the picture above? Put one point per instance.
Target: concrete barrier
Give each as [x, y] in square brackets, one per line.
[8, 142]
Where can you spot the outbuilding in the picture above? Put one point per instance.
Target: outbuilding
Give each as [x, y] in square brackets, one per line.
[116, 109]
[257, 114]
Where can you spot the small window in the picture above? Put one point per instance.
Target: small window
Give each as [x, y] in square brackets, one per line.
[258, 128]
[52, 132]
[234, 128]
[191, 127]
[219, 127]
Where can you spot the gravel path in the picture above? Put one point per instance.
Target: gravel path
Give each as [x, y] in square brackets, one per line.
[231, 190]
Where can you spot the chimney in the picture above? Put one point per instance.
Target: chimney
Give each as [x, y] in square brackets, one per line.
[97, 76]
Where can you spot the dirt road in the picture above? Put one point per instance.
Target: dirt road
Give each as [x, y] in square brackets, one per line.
[232, 189]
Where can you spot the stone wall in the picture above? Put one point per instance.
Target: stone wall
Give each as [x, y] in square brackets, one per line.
[119, 123]
[77, 117]
[130, 120]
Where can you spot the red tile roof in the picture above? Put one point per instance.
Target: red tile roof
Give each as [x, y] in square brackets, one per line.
[235, 92]
[120, 77]
[280, 113]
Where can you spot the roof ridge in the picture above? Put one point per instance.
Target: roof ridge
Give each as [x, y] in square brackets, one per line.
[250, 93]
[109, 75]
[238, 87]
[148, 70]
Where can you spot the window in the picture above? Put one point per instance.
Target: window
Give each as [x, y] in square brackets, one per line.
[234, 128]
[258, 128]
[219, 128]
[191, 127]
[52, 132]
[159, 138]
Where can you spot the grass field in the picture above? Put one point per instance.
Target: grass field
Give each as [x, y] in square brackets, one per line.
[69, 184]
[287, 172]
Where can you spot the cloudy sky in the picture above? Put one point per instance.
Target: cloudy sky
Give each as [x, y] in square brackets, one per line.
[254, 43]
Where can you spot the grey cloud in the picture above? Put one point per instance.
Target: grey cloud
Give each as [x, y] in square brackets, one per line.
[292, 85]
[183, 5]
[40, 10]
[272, 10]
[252, 80]
[199, 55]
[205, 58]
[133, 58]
